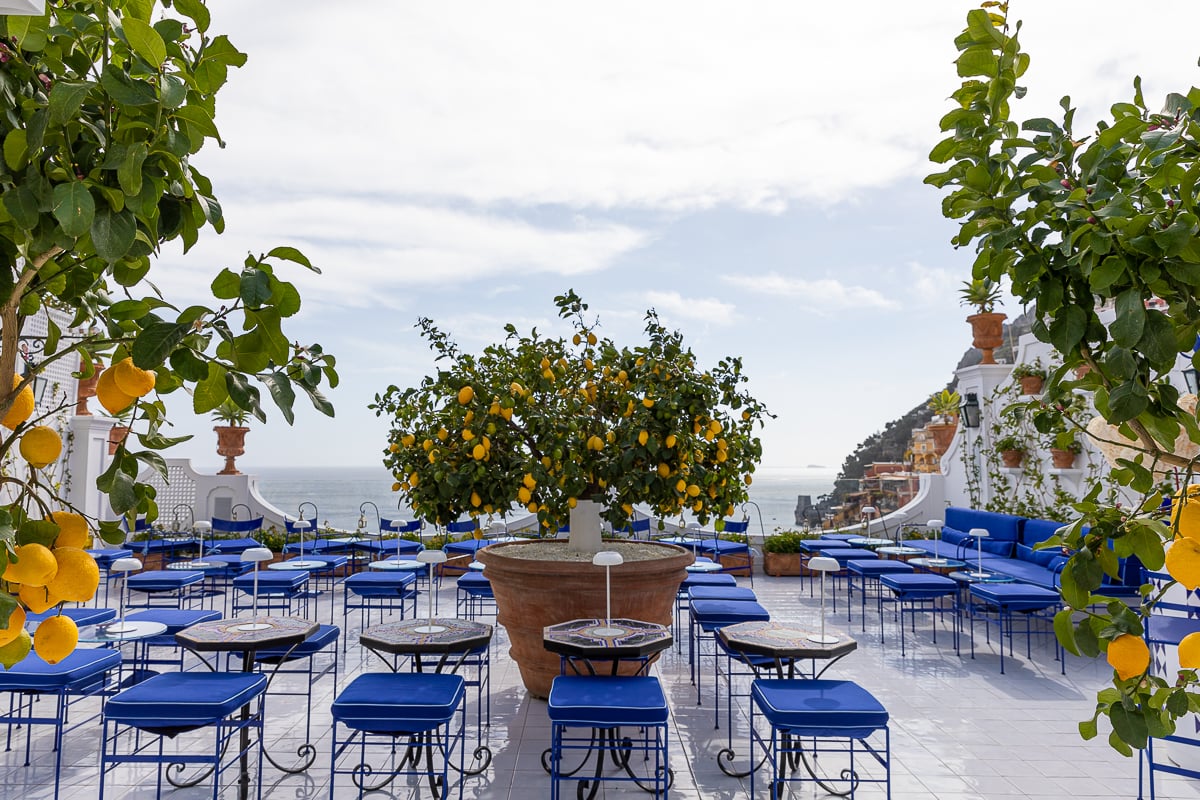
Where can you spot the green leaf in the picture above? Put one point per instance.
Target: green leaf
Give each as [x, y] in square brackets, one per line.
[23, 206]
[293, 255]
[128, 309]
[210, 392]
[1064, 630]
[1129, 725]
[200, 119]
[255, 287]
[16, 149]
[1087, 729]
[156, 342]
[73, 207]
[113, 233]
[145, 41]
[66, 98]
[226, 285]
[37, 531]
[976, 61]
[189, 366]
[1131, 318]
[1110, 270]
[129, 173]
[1067, 328]
[196, 11]
[318, 400]
[125, 90]
[1158, 341]
[111, 532]
[282, 393]
[1126, 401]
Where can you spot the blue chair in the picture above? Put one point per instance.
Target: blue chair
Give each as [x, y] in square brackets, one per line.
[232, 536]
[378, 591]
[636, 529]
[105, 556]
[410, 717]
[475, 596]
[811, 722]
[735, 557]
[175, 620]
[604, 704]
[281, 591]
[84, 673]
[914, 593]
[166, 706]
[301, 660]
[707, 617]
[164, 588]
[682, 599]
[999, 603]
[865, 574]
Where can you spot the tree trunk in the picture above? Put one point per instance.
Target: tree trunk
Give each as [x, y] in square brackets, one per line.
[585, 527]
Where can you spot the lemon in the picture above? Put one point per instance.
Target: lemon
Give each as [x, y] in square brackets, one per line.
[41, 445]
[465, 395]
[396, 486]
[21, 408]
[595, 443]
[77, 577]
[670, 440]
[664, 470]
[479, 451]
[15, 651]
[1128, 655]
[524, 495]
[746, 416]
[476, 499]
[591, 338]
[113, 399]
[648, 402]
[1185, 512]
[529, 481]
[16, 624]
[1189, 651]
[72, 529]
[34, 565]
[1183, 562]
[55, 638]
[38, 598]
[132, 379]
[681, 486]
[643, 437]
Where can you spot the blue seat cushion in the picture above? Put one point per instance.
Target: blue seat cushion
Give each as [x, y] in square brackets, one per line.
[467, 546]
[918, 585]
[332, 560]
[722, 547]
[232, 546]
[325, 636]
[1024, 571]
[233, 564]
[845, 554]
[605, 701]
[821, 545]
[1161, 628]
[1015, 596]
[819, 707]
[399, 703]
[727, 612]
[877, 566]
[720, 593]
[1038, 530]
[473, 580]
[176, 619]
[706, 579]
[953, 536]
[164, 580]
[105, 556]
[81, 616]
[80, 669]
[175, 702]
[996, 547]
[272, 580]
[379, 584]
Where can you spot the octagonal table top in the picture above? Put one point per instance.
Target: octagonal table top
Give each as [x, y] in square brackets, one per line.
[227, 635]
[425, 635]
[784, 641]
[606, 640]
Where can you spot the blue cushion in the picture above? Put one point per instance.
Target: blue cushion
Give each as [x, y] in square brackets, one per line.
[233, 564]
[81, 616]
[603, 701]
[396, 703]
[164, 580]
[727, 612]
[232, 546]
[998, 548]
[706, 579]
[474, 580]
[1043, 558]
[176, 619]
[467, 546]
[105, 556]
[1024, 571]
[325, 636]
[720, 547]
[379, 584]
[720, 593]
[821, 545]
[1005, 527]
[181, 701]
[272, 580]
[918, 585]
[1039, 530]
[953, 536]
[80, 669]
[332, 560]
[846, 554]
[1015, 596]
[879, 566]
[819, 708]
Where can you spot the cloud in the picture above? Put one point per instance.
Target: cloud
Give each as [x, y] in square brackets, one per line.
[821, 294]
[933, 285]
[672, 305]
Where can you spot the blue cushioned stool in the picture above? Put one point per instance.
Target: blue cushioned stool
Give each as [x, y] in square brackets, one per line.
[998, 602]
[410, 717]
[681, 598]
[83, 673]
[105, 556]
[279, 590]
[819, 718]
[865, 574]
[707, 617]
[914, 593]
[176, 619]
[301, 660]
[603, 704]
[379, 591]
[475, 596]
[167, 706]
[164, 588]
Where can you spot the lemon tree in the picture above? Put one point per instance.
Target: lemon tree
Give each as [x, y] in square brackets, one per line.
[545, 422]
[108, 105]
[1076, 220]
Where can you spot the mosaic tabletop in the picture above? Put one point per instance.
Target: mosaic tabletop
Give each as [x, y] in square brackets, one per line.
[606, 639]
[227, 634]
[784, 641]
[425, 635]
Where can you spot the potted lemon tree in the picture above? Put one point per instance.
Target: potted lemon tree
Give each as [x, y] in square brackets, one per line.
[573, 430]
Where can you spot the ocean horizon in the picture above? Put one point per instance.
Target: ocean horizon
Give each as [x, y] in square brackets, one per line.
[338, 493]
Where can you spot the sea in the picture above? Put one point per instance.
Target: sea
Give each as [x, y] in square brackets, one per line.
[341, 495]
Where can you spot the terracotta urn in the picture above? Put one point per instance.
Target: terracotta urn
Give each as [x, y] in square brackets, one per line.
[116, 435]
[988, 333]
[1012, 458]
[1032, 384]
[532, 593]
[231, 443]
[943, 434]
[1062, 459]
[86, 389]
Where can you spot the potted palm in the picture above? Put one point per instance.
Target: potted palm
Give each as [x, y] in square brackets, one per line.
[987, 325]
[1012, 450]
[1031, 377]
[231, 436]
[573, 430]
[945, 405]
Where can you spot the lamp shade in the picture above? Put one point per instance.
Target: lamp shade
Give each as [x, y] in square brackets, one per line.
[869, 510]
[824, 564]
[301, 525]
[125, 565]
[257, 554]
[203, 526]
[607, 558]
[32, 8]
[934, 524]
[978, 533]
[431, 556]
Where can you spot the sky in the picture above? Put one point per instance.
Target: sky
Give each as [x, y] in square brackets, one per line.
[752, 171]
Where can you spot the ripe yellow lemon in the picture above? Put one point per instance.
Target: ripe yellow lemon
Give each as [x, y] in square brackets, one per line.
[15, 651]
[643, 437]
[595, 443]
[465, 395]
[113, 399]
[476, 499]
[77, 577]
[55, 638]
[72, 529]
[132, 379]
[35, 565]
[664, 470]
[1128, 655]
[1185, 512]
[21, 408]
[670, 440]
[16, 624]
[41, 445]
[38, 598]
[1183, 562]
[1189, 651]
[529, 481]
[648, 402]
[524, 495]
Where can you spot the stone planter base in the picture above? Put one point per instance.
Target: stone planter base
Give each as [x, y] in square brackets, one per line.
[779, 564]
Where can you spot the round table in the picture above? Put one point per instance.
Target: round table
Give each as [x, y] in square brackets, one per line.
[114, 631]
[297, 563]
[941, 566]
[869, 541]
[397, 564]
[900, 552]
[203, 566]
[704, 566]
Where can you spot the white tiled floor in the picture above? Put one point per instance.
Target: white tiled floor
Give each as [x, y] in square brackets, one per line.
[959, 728]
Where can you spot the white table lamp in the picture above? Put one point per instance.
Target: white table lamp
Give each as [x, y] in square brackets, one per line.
[300, 526]
[124, 566]
[823, 564]
[256, 555]
[866, 512]
[431, 557]
[935, 525]
[608, 559]
[397, 525]
[204, 528]
[979, 535]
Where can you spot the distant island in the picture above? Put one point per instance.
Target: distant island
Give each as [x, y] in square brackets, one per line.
[814, 466]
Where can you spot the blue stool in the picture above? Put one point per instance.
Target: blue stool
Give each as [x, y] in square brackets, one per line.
[916, 592]
[380, 591]
[166, 706]
[220, 581]
[720, 593]
[84, 673]
[475, 595]
[105, 556]
[301, 660]
[176, 619]
[818, 718]
[707, 617]
[164, 588]
[603, 704]
[1006, 599]
[379, 709]
[681, 598]
[281, 590]
[867, 572]
[82, 616]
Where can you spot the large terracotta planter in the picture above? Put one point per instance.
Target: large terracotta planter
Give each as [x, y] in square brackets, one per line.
[534, 593]
[116, 435]
[778, 564]
[943, 434]
[231, 443]
[988, 333]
